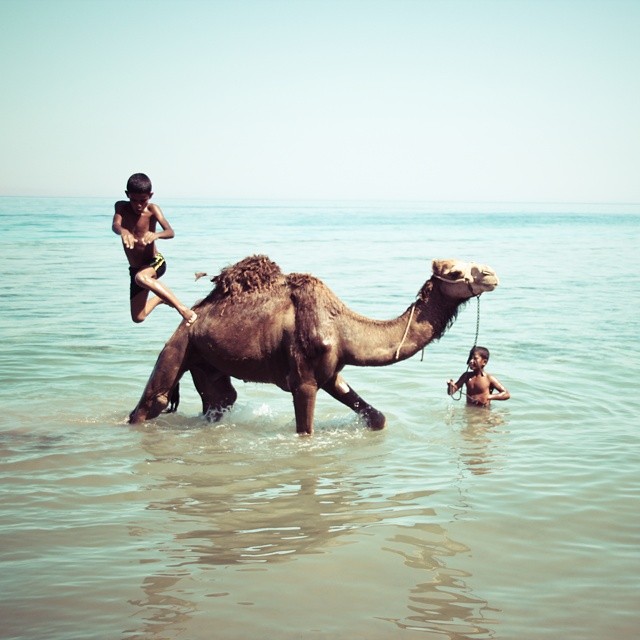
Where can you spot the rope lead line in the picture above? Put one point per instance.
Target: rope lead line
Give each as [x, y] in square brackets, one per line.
[475, 341]
[413, 307]
[475, 344]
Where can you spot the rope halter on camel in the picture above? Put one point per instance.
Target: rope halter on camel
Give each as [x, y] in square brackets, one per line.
[468, 282]
[406, 331]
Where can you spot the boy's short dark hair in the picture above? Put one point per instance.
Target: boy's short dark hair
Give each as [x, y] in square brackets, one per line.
[139, 183]
[483, 352]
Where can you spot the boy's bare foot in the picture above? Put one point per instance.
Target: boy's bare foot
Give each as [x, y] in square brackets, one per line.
[192, 318]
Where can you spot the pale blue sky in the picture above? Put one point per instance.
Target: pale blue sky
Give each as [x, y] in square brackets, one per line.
[348, 99]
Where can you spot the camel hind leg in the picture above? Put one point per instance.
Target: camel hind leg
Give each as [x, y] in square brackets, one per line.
[337, 388]
[215, 389]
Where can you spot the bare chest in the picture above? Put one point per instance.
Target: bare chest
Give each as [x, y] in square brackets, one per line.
[139, 225]
[478, 384]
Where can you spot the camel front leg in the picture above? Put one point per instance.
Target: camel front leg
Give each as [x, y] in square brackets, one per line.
[160, 389]
[169, 368]
[337, 388]
[304, 404]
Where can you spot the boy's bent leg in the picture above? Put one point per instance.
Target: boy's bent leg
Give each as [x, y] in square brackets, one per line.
[142, 306]
[147, 279]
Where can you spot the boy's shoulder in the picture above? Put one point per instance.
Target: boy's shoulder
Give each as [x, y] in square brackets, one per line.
[122, 206]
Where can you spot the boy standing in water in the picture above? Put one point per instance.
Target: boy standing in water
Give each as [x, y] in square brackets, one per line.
[480, 384]
[135, 222]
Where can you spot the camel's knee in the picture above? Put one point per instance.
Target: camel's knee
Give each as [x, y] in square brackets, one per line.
[159, 404]
[340, 385]
[306, 389]
[149, 408]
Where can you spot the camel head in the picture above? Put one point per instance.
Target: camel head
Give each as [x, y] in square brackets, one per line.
[464, 280]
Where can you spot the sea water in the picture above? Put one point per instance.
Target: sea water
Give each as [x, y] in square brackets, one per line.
[520, 522]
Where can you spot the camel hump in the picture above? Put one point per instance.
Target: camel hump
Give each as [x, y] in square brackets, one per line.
[316, 307]
[253, 274]
[309, 292]
[304, 282]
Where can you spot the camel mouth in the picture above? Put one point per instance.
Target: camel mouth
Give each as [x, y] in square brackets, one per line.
[485, 277]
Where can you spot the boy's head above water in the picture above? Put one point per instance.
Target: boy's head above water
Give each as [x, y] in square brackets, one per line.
[139, 183]
[478, 354]
[139, 191]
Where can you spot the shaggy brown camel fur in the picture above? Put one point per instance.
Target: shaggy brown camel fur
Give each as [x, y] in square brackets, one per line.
[261, 325]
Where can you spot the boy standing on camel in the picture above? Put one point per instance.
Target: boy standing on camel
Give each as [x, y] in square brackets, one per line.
[135, 222]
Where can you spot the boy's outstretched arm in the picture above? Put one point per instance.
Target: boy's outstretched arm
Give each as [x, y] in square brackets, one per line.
[167, 231]
[452, 386]
[128, 239]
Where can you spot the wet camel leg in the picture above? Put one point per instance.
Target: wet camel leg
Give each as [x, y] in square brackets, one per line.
[304, 404]
[337, 388]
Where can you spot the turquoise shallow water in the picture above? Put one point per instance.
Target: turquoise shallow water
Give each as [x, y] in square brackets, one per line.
[521, 522]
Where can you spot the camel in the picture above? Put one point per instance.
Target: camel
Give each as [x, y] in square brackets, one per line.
[261, 325]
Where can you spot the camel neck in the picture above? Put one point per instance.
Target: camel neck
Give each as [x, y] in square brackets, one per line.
[379, 343]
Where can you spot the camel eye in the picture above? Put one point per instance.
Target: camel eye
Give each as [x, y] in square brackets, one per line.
[456, 274]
